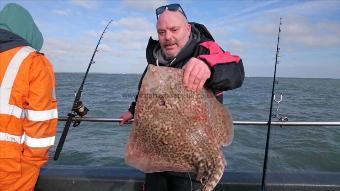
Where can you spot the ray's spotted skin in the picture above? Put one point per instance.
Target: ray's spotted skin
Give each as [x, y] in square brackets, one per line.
[178, 130]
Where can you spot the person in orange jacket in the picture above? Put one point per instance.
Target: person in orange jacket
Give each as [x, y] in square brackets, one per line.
[28, 107]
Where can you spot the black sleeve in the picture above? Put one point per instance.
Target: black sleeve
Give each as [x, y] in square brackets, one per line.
[226, 76]
[133, 104]
[227, 71]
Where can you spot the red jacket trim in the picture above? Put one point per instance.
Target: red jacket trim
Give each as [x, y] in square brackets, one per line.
[218, 93]
[217, 56]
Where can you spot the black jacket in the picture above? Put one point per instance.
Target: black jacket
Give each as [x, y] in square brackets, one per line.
[227, 71]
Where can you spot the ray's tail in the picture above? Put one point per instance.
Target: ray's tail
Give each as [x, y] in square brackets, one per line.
[215, 175]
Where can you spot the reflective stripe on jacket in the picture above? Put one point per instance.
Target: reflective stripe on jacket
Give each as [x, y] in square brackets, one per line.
[28, 113]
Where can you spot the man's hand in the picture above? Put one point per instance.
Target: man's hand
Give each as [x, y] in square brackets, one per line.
[126, 116]
[196, 73]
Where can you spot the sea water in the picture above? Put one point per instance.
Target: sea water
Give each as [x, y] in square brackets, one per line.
[311, 148]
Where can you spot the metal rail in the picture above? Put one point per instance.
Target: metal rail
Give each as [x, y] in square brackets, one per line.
[261, 123]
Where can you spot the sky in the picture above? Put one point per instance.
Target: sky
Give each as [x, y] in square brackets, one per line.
[309, 40]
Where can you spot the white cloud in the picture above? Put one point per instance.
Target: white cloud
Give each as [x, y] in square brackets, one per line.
[237, 45]
[310, 32]
[129, 35]
[135, 23]
[129, 39]
[68, 55]
[252, 9]
[87, 4]
[216, 31]
[105, 48]
[145, 5]
[243, 16]
[297, 30]
[92, 33]
[315, 40]
[330, 26]
[122, 48]
[311, 7]
[59, 12]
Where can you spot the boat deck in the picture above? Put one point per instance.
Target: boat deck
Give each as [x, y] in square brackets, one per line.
[70, 178]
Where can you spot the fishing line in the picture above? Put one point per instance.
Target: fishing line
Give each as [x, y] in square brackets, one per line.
[190, 181]
[264, 170]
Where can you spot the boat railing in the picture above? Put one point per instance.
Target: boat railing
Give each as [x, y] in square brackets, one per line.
[55, 178]
[260, 123]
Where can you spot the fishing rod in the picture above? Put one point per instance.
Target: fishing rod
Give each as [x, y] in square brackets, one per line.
[78, 108]
[264, 170]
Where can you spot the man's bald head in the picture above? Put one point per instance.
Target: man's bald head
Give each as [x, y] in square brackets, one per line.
[169, 15]
[173, 32]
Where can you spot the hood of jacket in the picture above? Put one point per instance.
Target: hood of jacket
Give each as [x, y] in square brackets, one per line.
[19, 21]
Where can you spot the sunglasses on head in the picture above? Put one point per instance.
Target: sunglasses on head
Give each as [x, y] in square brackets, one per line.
[170, 7]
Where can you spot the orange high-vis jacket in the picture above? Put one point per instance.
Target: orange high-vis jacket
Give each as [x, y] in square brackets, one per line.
[28, 116]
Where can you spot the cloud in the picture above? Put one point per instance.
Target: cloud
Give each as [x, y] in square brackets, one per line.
[59, 12]
[290, 8]
[130, 36]
[310, 34]
[145, 5]
[105, 48]
[69, 55]
[330, 26]
[258, 7]
[297, 30]
[314, 40]
[121, 45]
[87, 4]
[236, 45]
[219, 31]
[63, 52]
[129, 39]
[311, 7]
[245, 15]
[135, 23]
[313, 34]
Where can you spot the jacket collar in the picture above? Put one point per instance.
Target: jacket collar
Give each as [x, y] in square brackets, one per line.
[9, 40]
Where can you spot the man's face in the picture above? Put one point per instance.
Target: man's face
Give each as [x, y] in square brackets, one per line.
[173, 32]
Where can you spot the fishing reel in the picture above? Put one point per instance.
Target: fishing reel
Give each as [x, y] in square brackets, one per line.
[80, 110]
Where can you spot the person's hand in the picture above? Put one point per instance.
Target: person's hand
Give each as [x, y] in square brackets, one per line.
[196, 73]
[126, 116]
